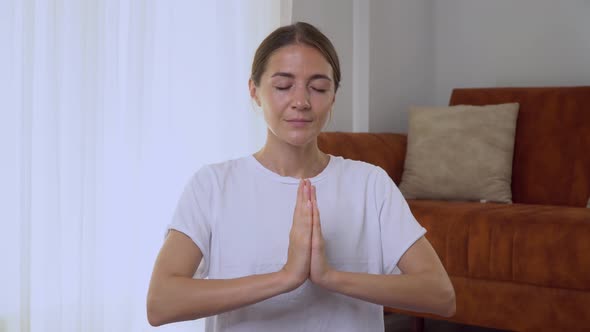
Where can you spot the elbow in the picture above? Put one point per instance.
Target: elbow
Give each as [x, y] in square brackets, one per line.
[163, 308]
[154, 313]
[153, 318]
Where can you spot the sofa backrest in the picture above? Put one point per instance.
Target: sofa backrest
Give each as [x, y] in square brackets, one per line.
[387, 150]
[551, 162]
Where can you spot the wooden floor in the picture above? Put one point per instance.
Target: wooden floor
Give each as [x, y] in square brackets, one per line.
[400, 323]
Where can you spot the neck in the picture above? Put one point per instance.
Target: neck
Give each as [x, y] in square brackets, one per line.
[293, 161]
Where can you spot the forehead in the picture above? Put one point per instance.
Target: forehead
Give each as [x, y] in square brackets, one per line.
[299, 60]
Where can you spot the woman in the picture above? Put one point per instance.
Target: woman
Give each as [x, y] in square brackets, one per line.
[253, 227]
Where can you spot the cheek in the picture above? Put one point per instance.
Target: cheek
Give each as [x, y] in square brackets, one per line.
[274, 102]
[323, 103]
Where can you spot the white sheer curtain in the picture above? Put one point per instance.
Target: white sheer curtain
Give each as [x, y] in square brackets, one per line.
[107, 108]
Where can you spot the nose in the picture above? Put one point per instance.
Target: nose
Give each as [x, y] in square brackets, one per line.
[301, 98]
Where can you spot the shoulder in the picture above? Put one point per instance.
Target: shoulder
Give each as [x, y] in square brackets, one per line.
[213, 174]
[227, 166]
[373, 178]
[359, 168]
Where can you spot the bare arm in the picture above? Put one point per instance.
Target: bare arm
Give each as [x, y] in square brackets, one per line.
[424, 285]
[175, 296]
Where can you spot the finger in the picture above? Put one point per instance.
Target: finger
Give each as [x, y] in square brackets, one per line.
[307, 199]
[316, 213]
[308, 196]
[309, 206]
[299, 201]
[314, 198]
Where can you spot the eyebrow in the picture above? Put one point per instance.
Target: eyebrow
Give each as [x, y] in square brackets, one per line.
[313, 77]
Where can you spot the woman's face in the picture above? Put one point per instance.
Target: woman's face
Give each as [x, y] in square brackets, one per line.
[296, 93]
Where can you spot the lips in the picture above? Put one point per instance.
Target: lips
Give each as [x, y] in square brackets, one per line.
[298, 123]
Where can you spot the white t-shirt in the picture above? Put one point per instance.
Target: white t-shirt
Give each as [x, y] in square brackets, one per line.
[239, 214]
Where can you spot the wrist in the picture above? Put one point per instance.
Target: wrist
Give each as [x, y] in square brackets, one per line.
[287, 280]
[329, 279]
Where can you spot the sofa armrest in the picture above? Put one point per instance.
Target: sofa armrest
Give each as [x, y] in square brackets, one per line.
[386, 150]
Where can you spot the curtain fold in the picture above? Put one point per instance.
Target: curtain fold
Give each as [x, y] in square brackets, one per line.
[107, 108]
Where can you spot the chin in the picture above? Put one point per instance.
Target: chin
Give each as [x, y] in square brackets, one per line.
[300, 139]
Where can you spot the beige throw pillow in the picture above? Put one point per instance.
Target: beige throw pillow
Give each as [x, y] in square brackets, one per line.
[460, 153]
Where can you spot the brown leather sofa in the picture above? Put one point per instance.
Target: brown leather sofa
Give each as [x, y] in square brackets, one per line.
[523, 266]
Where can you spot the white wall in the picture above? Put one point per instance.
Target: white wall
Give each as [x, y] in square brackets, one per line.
[400, 58]
[401, 61]
[482, 43]
[421, 49]
[334, 19]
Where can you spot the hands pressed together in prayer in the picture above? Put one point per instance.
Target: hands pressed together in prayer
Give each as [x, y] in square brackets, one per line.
[423, 286]
[306, 257]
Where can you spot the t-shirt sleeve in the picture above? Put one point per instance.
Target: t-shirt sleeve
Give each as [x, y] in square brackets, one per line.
[193, 214]
[399, 228]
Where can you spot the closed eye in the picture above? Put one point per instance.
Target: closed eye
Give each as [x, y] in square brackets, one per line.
[319, 90]
[282, 88]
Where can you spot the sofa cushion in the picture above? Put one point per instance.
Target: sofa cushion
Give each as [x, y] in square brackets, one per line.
[530, 244]
[551, 164]
[516, 307]
[460, 153]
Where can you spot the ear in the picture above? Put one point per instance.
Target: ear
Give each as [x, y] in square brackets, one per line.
[253, 92]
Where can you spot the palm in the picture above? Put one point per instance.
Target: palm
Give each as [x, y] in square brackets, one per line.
[319, 263]
[299, 252]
